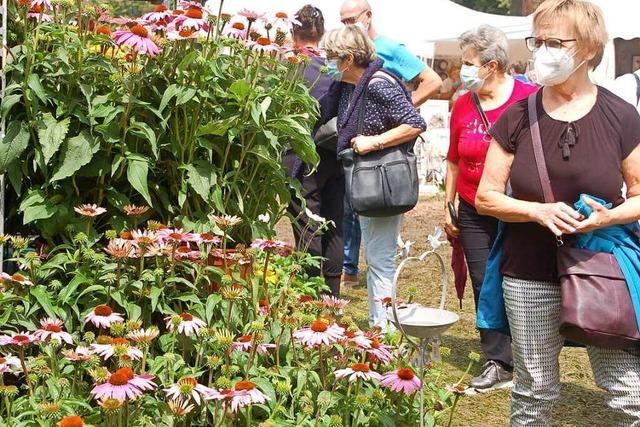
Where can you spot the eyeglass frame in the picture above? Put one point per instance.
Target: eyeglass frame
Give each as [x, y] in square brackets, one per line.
[545, 41]
[352, 20]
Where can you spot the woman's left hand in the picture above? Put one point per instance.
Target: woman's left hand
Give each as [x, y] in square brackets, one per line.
[599, 218]
[365, 144]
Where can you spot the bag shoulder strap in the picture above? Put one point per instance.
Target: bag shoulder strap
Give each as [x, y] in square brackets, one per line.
[483, 116]
[637, 88]
[538, 152]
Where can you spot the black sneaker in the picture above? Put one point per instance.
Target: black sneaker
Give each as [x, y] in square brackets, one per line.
[493, 377]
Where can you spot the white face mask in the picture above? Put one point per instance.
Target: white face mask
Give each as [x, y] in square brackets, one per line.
[554, 66]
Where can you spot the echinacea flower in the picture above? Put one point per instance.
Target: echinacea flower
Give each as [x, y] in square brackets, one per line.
[380, 351]
[110, 404]
[237, 30]
[273, 246]
[52, 329]
[250, 15]
[245, 343]
[9, 363]
[243, 394]
[358, 371]
[188, 388]
[160, 13]
[144, 336]
[175, 235]
[119, 248]
[357, 338]
[263, 45]
[138, 38]
[71, 421]
[185, 252]
[402, 380]
[282, 20]
[19, 339]
[319, 332]
[134, 210]
[193, 18]
[36, 14]
[42, 3]
[89, 210]
[103, 317]
[80, 354]
[225, 221]
[334, 303]
[103, 30]
[208, 238]
[123, 384]
[15, 278]
[186, 33]
[187, 324]
[119, 347]
[180, 407]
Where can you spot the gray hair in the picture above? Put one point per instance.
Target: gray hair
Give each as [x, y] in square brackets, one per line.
[490, 43]
[350, 40]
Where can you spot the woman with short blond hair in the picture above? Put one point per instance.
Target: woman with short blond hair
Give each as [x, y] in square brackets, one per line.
[590, 143]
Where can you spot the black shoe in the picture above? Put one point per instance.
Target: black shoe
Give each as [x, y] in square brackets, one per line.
[493, 376]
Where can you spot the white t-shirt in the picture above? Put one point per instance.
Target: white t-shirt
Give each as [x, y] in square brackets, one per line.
[625, 87]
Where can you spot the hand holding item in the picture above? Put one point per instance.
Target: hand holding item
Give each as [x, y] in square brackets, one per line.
[600, 216]
[451, 221]
[365, 144]
[558, 217]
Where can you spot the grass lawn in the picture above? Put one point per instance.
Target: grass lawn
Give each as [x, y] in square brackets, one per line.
[581, 403]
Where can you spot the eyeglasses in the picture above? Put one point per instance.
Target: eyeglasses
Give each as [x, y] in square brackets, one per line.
[535, 43]
[353, 19]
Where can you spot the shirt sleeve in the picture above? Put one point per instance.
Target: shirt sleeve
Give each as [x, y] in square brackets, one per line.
[454, 133]
[630, 136]
[389, 98]
[409, 66]
[504, 131]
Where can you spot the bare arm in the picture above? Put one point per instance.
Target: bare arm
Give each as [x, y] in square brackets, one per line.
[492, 200]
[396, 136]
[429, 83]
[450, 191]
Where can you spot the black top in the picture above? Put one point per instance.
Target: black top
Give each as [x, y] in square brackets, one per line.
[605, 136]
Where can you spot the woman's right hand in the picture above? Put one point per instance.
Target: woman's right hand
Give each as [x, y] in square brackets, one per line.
[449, 227]
[558, 217]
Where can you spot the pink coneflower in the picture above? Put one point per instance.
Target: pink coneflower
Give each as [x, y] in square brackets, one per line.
[72, 421]
[402, 380]
[187, 324]
[179, 407]
[118, 346]
[381, 351]
[209, 239]
[138, 38]
[160, 13]
[103, 316]
[185, 34]
[9, 364]
[134, 210]
[185, 252]
[245, 343]
[250, 15]
[123, 384]
[80, 354]
[104, 30]
[282, 20]
[144, 336]
[319, 332]
[263, 45]
[188, 388]
[273, 246]
[357, 338]
[15, 278]
[52, 329]
[334, 303]
[358, 371]
[89, 210]
[36, 14]
[175, 235]
[42, 3]
[119, 248]
[237, 30]
[246, 394]
[20, 339]
[193, 18]
[226, 396]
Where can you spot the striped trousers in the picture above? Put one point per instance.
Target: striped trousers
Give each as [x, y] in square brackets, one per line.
[533, 310]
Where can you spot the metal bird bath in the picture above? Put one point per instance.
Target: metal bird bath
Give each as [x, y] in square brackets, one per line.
[418, 324]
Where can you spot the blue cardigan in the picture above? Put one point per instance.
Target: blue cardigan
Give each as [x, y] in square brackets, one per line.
[620, 240]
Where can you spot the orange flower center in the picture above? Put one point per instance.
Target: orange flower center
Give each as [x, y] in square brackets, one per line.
[375, 343]
[17, 277]
[305, 298]
[319, 326]
[21, 338]
[72, 421]
[405, 374]
[175, 236]
[140, 31]
[126, 235]
[160, 8]
[178, 12]
[53, 328]
[126, 372]
[24, 2]
[188, 381]
[386, 300]
[118, 379]
[263, 41]
[2, 360]
[360, 367]
[350, 334]
[238, 26]
[104, 339]
[263, 303]
[103, 310]
[193, 13]
[282, 15]
[245, 385]
[207, 236]
[186, 32]
[183, 249]
[103, 29]
[120, 341]
[36, 9]
[245, 338]
[186, 317]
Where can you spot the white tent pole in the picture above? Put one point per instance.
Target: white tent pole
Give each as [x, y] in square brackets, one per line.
[4, 9]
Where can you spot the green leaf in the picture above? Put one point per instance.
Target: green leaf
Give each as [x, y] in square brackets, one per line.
[241, 89]
[212, 302]
[15, 176]
[34, 213]
[44, 299]
[264, 107]
[168, 94]
[71, 288]
[137, 172]
[144, 131]
[185, 95]
[15, 141]
[154, 294]
[201, 177]
[52, 135]
[78, 151]
[8, 102]
[214, 128]
[217, 200]
[35, 85]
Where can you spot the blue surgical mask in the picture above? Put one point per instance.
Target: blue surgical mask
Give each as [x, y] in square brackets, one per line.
[333, 70]
[470, 78]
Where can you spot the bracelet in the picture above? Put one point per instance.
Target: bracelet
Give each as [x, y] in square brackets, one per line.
[380, 145]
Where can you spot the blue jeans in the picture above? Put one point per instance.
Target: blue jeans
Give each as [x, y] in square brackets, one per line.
[351, 235]
[381, 239]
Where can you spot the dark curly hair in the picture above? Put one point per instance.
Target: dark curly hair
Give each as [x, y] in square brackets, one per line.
[311, 26]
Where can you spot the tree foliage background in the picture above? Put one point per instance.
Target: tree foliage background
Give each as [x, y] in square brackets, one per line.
[501, 7]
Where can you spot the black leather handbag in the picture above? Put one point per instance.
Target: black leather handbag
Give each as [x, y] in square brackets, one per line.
[380, 183]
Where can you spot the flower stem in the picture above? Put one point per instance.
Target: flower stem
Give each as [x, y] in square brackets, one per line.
[25, 370]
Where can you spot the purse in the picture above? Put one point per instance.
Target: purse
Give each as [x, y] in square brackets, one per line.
[326, 137]
[381, 183]
[596, 304]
